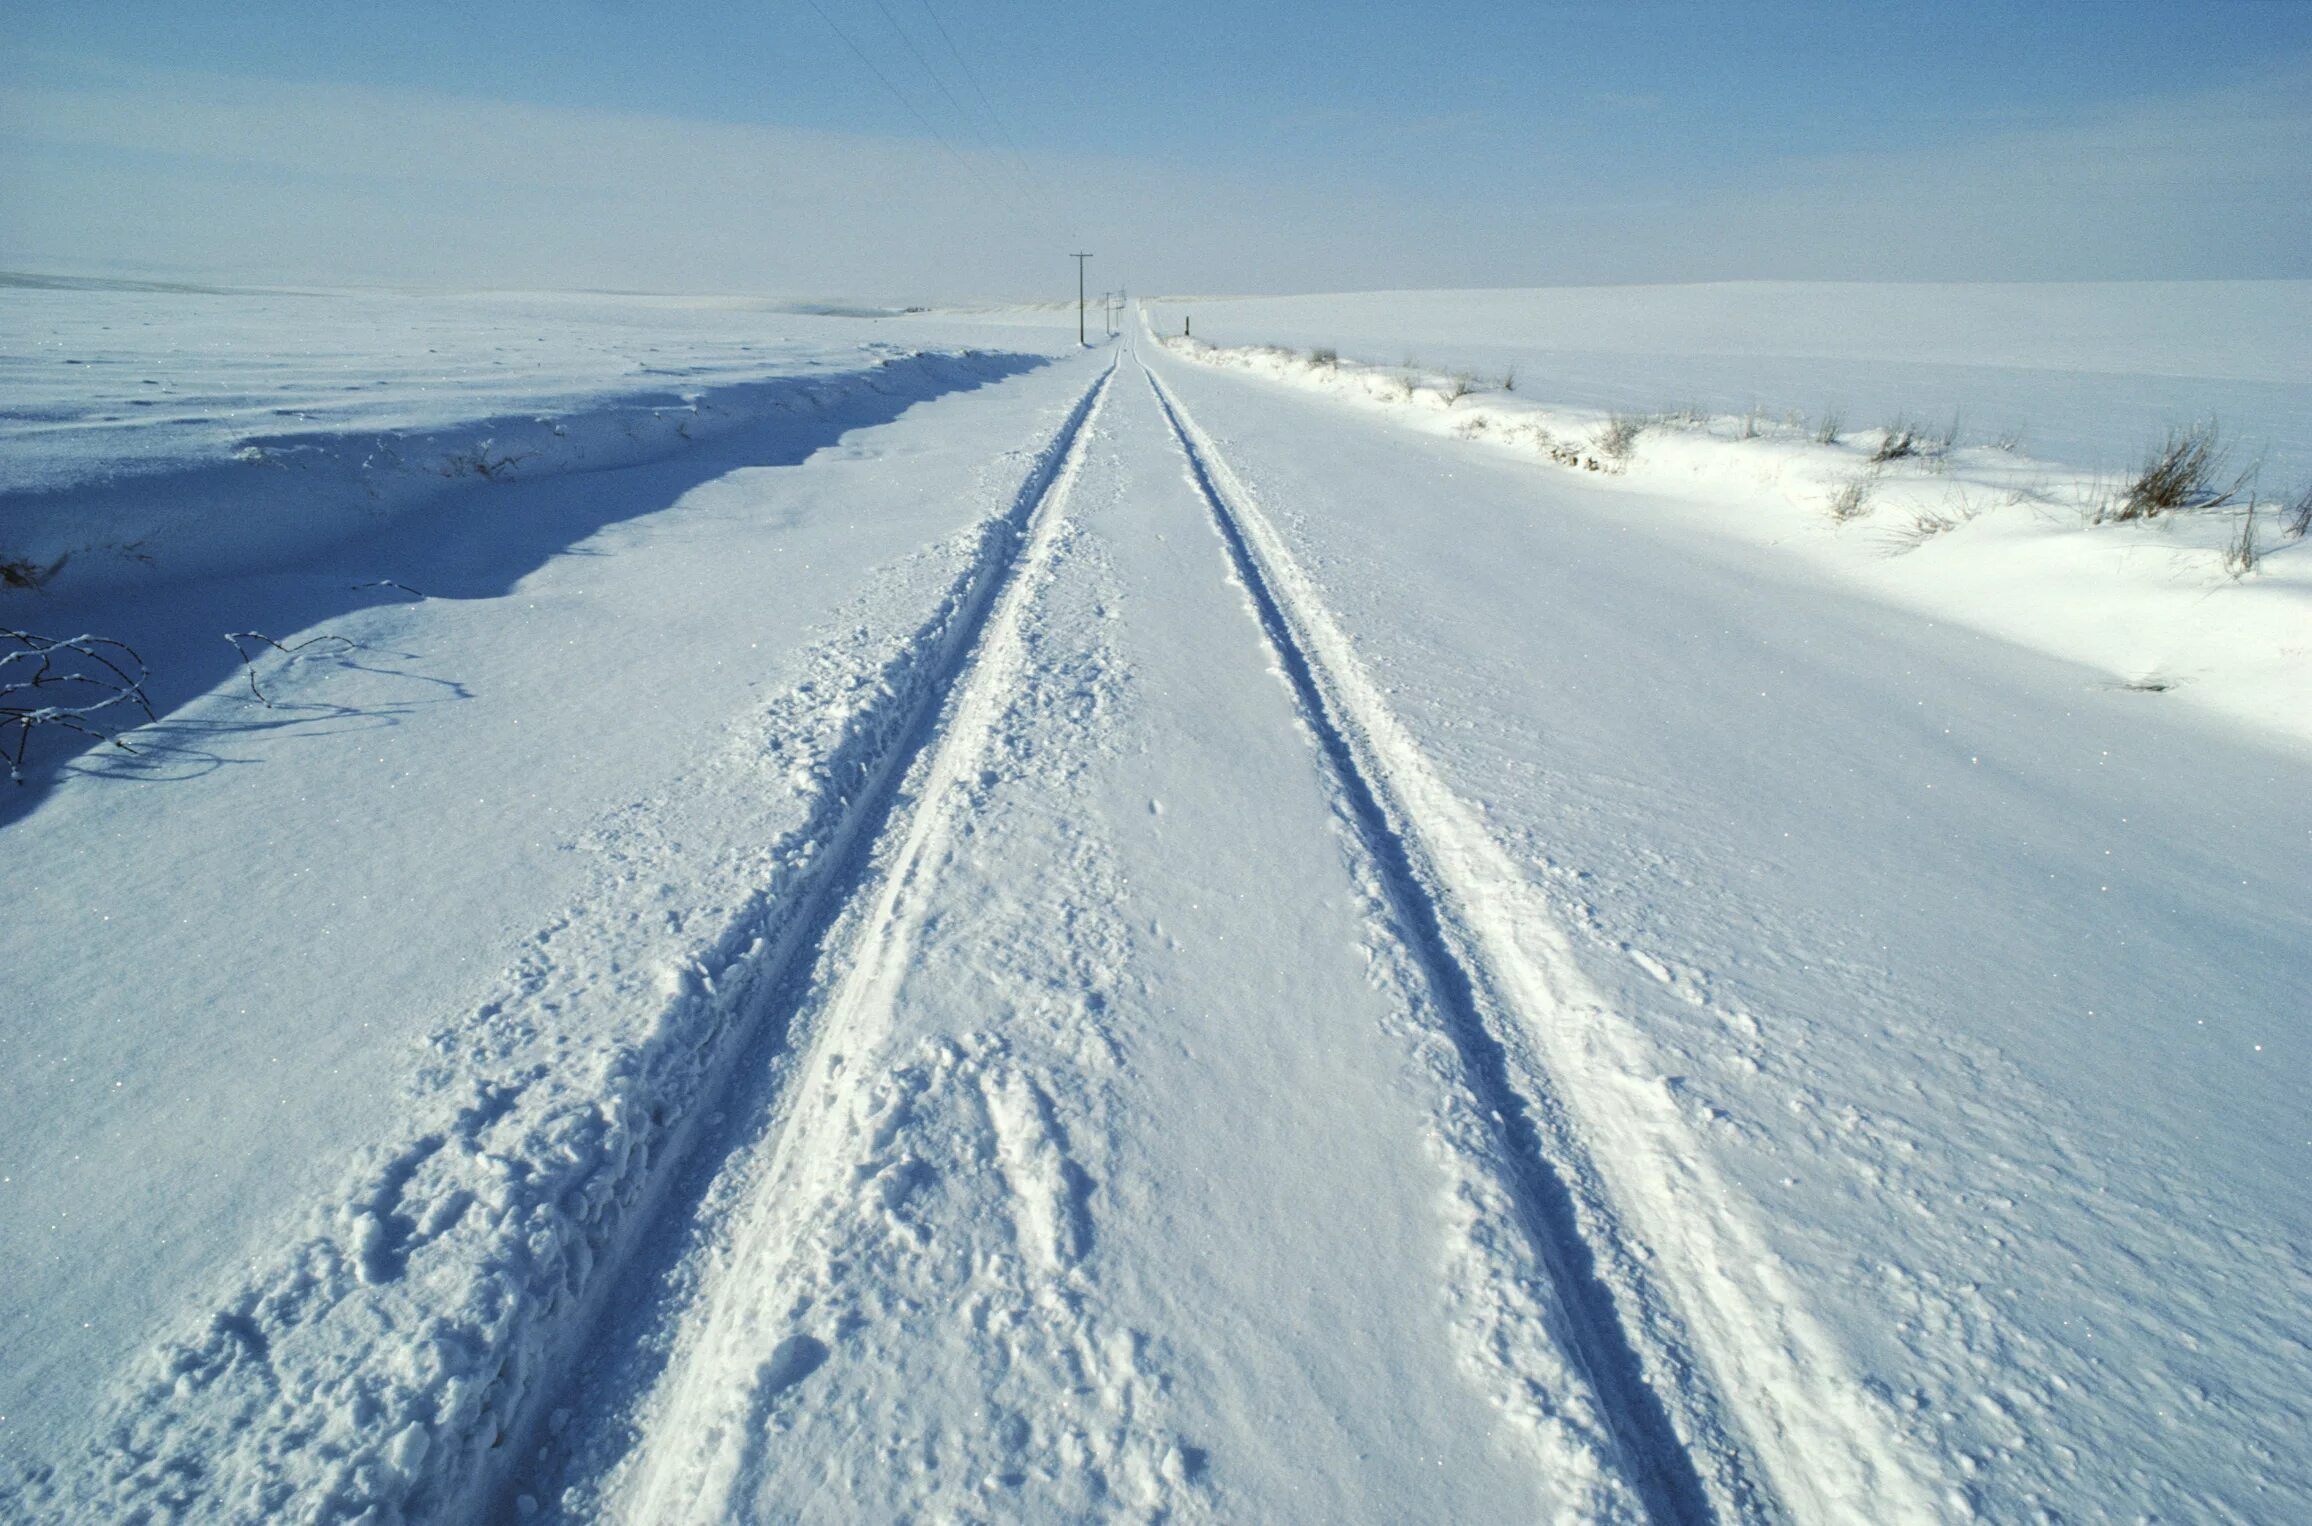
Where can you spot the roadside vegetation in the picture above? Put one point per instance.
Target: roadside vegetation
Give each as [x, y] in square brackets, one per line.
[1930, 480]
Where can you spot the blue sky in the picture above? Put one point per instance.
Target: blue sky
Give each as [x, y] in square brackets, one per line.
[1211, 146]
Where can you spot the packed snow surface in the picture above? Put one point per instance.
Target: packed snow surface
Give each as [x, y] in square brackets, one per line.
[835, 916]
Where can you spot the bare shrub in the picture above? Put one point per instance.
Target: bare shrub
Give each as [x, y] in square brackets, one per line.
[1852, 499]
[2180, 473]
[1619, 437]
[1325, 356]
[68, 684]
[1833, 424]
[2241, 555]
[1459, 386]
[1509, 379]
[2298, 514]
[1899, 439]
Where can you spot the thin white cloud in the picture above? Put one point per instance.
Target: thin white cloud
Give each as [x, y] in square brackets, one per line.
[257, 179]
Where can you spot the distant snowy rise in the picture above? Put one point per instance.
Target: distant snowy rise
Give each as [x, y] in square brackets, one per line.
[112, 379]
[2087, 373]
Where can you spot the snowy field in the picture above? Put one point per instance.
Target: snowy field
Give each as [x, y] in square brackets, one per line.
[835, 916]
[2083, 374]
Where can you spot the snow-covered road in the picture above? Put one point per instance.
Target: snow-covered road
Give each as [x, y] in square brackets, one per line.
[1261, 968]
[1149, 1159]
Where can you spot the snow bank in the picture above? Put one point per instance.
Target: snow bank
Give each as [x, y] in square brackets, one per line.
[2214, 602]
[283, 496]
[194, 432]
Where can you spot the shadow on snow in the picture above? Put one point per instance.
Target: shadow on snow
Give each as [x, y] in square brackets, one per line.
[473, 538]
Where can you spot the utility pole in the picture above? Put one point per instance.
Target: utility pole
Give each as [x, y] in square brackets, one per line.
[1079, 259]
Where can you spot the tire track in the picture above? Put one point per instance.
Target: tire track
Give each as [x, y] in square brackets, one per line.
[705, 1407]
[1758, 1420]
[396, 1356]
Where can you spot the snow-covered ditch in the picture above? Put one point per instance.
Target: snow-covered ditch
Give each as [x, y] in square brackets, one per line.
[172, 461]
[2212, 600]
[277, 496]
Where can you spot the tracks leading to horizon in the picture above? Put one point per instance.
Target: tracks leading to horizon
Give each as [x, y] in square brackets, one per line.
[1668, 1481]
[393, 1359]
[533, 1214]
[865, 951]
[1725, 1400]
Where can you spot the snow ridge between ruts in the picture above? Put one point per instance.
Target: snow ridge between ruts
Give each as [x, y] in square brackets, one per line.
[1713, 1316]
[386, 1363]
[698, 1470]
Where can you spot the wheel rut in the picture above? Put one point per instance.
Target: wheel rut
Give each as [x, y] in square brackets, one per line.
[392, 1357]
[716, 1424]
[1656, 1457]
[1727, 1397]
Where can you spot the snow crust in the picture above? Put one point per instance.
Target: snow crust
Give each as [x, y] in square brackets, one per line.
[988, 931]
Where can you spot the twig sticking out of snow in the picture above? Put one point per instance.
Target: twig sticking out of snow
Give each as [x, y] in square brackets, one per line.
[415, 593]
[478, 462]
[86, 674]
[2242, 554]
[249, 665]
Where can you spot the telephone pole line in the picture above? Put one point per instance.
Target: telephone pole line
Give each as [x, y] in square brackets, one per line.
[1079, 259]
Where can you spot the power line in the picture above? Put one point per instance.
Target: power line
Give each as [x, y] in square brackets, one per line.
[933, 75]
[971, 78]
[1028, 182]
[912, 110]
